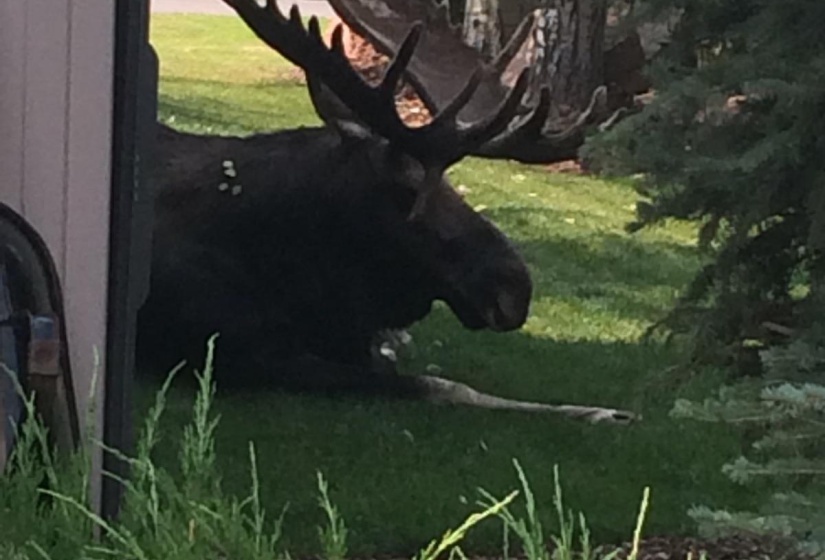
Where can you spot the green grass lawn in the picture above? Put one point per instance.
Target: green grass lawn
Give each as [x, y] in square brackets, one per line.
[402, 473]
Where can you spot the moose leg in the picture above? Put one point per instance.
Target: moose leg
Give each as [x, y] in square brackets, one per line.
[439, 389]
[384, 348]
[312, 374]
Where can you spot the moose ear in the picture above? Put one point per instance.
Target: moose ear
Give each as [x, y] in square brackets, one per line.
[333, 112]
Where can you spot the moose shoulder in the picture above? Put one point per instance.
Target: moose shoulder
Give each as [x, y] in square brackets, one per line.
[299, 247]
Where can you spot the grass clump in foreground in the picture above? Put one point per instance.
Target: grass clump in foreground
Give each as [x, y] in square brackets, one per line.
[44, 512]
[404, 470]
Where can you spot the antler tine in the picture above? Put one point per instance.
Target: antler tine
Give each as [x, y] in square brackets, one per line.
[597, 99]
[454, 107]
[399, 64]
[617, 115]
[539, 117]
[496, 123]
[306, 48]
[313, 27]
[510, 50]
[457, 143]
[337, 40]
[294, 12]
[535, 122]
[532, 131]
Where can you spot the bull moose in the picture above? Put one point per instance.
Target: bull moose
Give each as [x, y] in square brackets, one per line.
[299, 247]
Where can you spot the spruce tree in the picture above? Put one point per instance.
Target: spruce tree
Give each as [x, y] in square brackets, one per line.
[785, 414]
[732, 140]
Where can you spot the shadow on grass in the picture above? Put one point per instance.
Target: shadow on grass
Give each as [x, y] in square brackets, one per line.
[613, 258]
[402, 472]
[628, 276]
[617, 276]
[603, 255]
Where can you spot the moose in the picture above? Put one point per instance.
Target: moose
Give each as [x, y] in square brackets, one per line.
[300, 247]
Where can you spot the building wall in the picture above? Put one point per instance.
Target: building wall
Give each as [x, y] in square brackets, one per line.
[56, 60]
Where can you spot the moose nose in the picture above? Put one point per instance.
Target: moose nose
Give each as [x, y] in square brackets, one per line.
[512, 304]
[509, 313]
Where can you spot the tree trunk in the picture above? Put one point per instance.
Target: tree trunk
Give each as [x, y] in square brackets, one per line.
[482, 26]
[568, 49]
[565, 50]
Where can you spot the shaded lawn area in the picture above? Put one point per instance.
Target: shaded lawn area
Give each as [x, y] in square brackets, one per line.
[402, 473]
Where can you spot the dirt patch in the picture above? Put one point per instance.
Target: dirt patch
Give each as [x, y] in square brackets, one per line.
[292, 75]
[371, 65]
[737, 547]
[569, 166]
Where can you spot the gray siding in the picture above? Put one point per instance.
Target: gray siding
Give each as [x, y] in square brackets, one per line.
[56, 60]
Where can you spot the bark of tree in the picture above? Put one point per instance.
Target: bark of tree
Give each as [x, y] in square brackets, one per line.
[568, 53]
[482, 26]
[565, 50]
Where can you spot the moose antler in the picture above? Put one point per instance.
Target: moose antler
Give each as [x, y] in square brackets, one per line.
[444, 60]
[437, 145]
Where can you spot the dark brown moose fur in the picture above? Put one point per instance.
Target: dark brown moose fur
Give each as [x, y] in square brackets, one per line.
[299, 247]
[311, 258]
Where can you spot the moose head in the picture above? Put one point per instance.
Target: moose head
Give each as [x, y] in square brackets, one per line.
[471, 264]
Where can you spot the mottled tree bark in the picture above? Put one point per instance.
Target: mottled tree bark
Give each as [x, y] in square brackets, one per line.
[565, 49]
[568, 51]
[482, 26]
